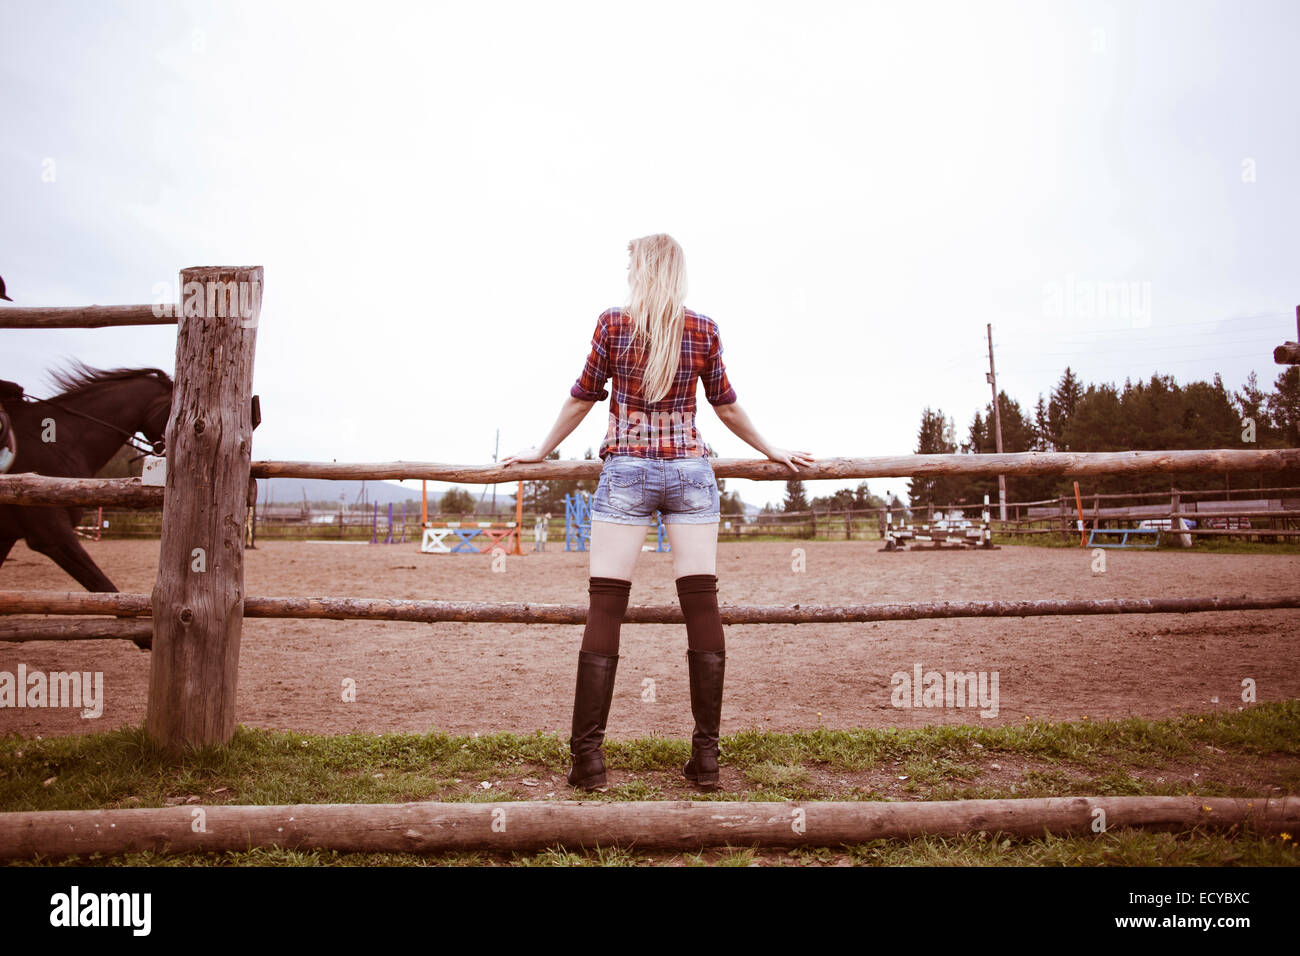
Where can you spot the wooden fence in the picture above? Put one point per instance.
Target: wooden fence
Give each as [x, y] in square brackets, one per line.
[195, 616]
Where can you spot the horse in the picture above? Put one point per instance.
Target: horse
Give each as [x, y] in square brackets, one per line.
[73, 435]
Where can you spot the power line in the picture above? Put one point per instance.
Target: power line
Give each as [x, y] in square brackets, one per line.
[1161, 347]
[1178, 325]
[1079, 366]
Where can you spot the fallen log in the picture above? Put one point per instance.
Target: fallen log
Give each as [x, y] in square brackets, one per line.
[678, 824]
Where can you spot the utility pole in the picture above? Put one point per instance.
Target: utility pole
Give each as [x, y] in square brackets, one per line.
[496, 451]
[997, 426]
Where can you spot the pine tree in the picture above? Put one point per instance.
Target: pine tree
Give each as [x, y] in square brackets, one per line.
[795, 500]
[1042, 431]
[1251, 402]
[1061, 409]
[1018, 434]
[456, 501]
[863, 498]
[1284, 406]
[934, 437]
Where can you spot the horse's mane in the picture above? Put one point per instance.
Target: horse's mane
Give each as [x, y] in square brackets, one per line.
[80, 377]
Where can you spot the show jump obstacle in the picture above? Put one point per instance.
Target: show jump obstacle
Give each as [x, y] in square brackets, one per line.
[950, 532]
[471, 537]
[577, 524]
[194, 620]
[467, 534]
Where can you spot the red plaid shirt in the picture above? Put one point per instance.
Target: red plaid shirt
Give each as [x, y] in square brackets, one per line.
[666, 428]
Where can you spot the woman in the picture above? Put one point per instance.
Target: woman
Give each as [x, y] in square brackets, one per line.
[653, 349]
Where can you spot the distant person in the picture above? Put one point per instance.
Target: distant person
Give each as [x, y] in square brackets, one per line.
[540, 526]
[654, 350]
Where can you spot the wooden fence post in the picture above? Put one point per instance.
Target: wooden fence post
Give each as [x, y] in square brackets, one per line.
[250, 541]
[198, 598]
[1176, 522]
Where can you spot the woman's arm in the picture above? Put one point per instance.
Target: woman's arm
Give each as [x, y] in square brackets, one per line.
[572, 412]
[735, 418]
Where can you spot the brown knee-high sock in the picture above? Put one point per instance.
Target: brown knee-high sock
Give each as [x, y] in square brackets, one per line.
[698, 594]
[605, 614]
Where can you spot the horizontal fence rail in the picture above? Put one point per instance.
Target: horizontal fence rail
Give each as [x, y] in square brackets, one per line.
[20, 630]
[897, 466]
[647, 824]
[428, 612]
[28, 489]
[87, 317]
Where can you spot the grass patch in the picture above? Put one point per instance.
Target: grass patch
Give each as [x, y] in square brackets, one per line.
[1253, 752]
[1114, 848]
[1168, 542]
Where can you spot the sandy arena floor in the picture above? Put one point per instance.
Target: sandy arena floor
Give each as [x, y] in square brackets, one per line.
[465, 678]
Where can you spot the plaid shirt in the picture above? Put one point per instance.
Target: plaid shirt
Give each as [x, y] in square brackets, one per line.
[664, 429]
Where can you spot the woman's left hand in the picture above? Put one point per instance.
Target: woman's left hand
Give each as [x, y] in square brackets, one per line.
[527, 455]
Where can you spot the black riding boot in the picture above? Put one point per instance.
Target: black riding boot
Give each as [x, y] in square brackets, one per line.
[591, 702]
[706, 670]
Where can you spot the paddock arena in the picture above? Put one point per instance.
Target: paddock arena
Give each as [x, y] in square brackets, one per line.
[484, 678]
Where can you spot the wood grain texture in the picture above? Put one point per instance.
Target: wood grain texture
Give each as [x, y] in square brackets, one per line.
[85, 317]
[30, 489]
[77, 629]
[129, 493]
[198, 613]
[1016, 463]
[646, 824]
[381, 609]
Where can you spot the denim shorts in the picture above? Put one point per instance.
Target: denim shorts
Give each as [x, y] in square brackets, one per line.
[632, 489]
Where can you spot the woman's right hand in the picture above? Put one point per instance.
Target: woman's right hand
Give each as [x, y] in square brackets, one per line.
[526, 456]
[789, 458]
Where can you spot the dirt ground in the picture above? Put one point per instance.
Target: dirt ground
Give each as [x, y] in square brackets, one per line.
[483, 678]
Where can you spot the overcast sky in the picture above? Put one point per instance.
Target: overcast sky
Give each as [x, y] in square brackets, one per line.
[442, 195]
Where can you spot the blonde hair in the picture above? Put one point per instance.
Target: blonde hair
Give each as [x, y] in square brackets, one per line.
[657, 282]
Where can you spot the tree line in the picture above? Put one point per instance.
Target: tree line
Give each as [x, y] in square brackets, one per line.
[1143, 416]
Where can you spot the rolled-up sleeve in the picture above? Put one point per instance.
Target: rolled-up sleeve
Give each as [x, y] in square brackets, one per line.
[717, 387]
[590, 386]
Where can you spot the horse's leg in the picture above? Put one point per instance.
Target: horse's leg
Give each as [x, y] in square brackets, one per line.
[57, 541]
[60, 544]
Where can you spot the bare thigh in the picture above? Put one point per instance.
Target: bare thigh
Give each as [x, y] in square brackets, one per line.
[695, 548]
[615, 547]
